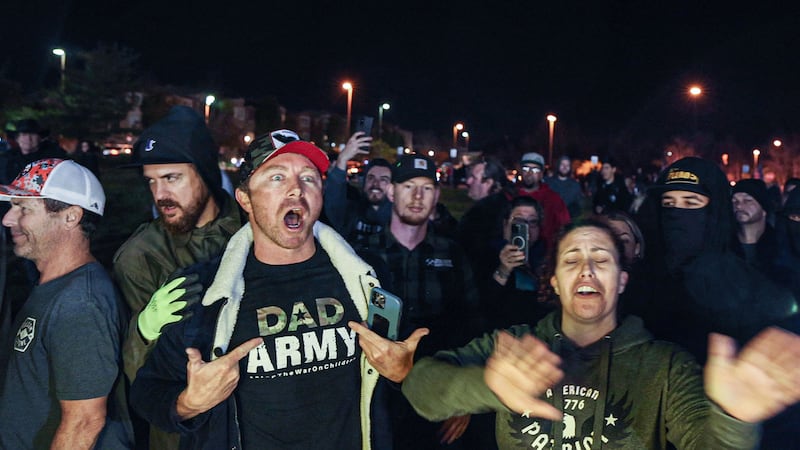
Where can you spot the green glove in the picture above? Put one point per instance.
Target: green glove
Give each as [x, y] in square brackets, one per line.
[168, 305]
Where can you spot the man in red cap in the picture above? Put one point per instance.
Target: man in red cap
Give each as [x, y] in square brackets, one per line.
[269, 358]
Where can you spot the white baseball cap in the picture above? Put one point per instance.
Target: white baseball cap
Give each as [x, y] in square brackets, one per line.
[59, 179]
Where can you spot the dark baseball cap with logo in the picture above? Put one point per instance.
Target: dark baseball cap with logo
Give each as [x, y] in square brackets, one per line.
[413, 166]
[687, 174]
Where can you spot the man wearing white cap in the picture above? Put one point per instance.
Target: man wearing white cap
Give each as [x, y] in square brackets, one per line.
[63, 385]
[555, 210]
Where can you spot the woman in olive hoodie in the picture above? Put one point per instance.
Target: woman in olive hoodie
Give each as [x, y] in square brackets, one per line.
[588, 372]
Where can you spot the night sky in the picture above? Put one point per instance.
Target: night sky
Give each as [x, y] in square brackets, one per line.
[605, 68]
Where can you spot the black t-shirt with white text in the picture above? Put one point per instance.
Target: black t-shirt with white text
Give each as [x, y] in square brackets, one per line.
[301, 388]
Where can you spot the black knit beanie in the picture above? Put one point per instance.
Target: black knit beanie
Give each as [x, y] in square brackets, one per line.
[181, 137]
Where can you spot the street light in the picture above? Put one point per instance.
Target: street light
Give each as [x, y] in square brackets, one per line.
[381, 109]
[63, 55]
[695, 92]
[347, 86]
[209, 100]
[465, 135]
[756, 153]
[456, 128]
[551, 122]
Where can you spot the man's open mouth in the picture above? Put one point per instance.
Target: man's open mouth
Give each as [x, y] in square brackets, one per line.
[293, 219]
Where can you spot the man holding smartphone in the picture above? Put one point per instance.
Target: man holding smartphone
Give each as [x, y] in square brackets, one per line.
[511, 294]
[432, 276]
[357, 218]
[555, 210]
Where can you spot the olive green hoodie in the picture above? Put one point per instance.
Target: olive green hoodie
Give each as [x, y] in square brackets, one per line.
[639, 392]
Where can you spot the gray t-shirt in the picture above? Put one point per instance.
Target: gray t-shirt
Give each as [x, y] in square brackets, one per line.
[67, 346]
[570, 191]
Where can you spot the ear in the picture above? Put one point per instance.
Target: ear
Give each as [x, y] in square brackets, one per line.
[436, 193]
[244, 200]
[73, 216]
[390, 192]
[554, 284]
[623, 281]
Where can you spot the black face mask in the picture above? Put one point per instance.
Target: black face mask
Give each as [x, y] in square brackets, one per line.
[683, 231]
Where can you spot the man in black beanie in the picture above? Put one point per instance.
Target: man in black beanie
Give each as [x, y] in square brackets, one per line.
[196, 219]
[757, 242]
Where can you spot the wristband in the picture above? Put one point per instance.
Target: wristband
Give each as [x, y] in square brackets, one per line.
[500, 274]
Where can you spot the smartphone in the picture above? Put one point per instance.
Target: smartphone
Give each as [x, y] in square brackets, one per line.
[364, 124]
[383, 313]
[519, 236]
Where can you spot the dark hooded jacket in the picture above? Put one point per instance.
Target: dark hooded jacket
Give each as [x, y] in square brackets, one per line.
[692, 285]
[638, 393]
[695, 283]
[182, 137]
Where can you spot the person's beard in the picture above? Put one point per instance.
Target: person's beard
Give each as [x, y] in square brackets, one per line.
[188, 220]
[410, 218]
[375, 198]
[529, 185]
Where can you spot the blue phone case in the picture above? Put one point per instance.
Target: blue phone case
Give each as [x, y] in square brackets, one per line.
[384, 312]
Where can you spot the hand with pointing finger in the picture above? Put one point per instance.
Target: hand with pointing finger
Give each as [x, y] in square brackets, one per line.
[210, 383]
[392, 359]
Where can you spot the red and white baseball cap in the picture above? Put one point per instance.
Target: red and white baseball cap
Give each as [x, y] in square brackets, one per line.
[274, 143]
[59, 179]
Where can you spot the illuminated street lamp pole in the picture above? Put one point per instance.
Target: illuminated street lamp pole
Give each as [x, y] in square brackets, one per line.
[695, 92]
[348, 86]
[456, 128]
[756, 153]
[465, 135]
[381, 109]
[209, 100]
[551, 121]
[63, 55]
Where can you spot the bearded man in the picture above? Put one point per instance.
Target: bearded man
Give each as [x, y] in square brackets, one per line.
[196, 218]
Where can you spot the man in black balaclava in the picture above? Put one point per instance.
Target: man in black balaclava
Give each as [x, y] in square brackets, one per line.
[705, 281]
[704, 286]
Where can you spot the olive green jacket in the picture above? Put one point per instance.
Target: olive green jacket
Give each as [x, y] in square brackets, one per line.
[145, 261]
